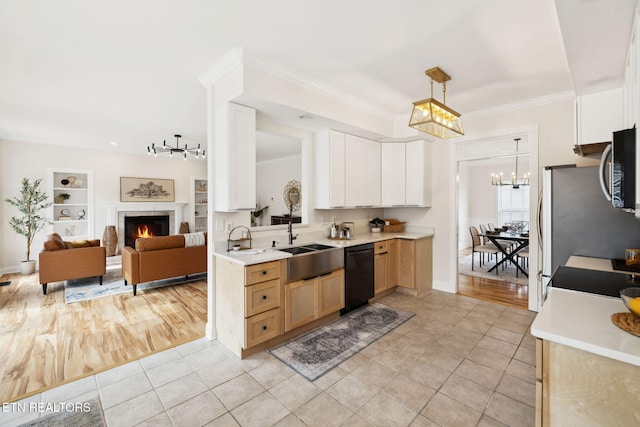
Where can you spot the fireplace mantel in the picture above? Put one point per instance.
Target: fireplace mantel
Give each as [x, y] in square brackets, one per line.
[117, 210]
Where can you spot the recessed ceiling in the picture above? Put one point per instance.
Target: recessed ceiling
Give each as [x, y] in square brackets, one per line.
[91, 73]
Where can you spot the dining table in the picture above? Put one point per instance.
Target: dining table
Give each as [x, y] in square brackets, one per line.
[498, 238]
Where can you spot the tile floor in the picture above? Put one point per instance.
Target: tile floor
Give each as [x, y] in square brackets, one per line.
[458, 362]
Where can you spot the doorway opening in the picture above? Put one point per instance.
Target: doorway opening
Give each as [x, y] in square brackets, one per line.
[484, 206]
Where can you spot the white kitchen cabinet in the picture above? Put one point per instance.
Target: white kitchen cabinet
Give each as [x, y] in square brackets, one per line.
[235, 158]
[329, 158]
[362, 177]
[418, 174]
[393, 179]
[599, 115]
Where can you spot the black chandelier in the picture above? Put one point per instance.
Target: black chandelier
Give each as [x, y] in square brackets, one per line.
[515, 182]
[164, 148]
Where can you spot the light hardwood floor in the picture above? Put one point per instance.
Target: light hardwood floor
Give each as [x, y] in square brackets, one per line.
[511, 294]
[45, 342]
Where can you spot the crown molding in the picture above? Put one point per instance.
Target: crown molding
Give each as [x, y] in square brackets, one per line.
[226, 64]
[521, 105]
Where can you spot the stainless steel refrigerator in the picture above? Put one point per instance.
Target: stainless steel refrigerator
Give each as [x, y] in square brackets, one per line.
[576, 219]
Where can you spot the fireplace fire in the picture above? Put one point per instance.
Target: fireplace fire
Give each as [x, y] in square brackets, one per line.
[145, 226]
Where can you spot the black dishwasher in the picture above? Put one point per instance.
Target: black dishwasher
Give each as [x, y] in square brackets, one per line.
[358, 276]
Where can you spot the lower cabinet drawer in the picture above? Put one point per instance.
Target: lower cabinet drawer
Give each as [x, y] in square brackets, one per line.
[262, 272]
[262, 327]
[262, 297]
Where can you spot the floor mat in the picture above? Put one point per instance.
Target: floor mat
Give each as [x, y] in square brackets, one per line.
[317, 352]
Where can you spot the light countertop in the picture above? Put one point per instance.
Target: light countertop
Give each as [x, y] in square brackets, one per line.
[601, 264]
[583, 321]
[260, 255]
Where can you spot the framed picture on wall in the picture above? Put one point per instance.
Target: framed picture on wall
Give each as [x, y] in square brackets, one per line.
[146, 190]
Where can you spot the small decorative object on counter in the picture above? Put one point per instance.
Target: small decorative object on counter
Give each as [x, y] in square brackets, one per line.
[632, 256]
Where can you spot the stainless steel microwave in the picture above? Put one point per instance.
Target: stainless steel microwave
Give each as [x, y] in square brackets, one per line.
[618, 170]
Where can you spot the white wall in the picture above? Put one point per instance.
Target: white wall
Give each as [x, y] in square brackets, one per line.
[31, 160]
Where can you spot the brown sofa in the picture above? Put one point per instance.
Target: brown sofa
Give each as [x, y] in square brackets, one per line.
[162, 257]
[62, 260]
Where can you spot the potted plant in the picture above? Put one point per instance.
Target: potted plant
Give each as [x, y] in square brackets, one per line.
[60, 198]
[30, 203]
[376, 225]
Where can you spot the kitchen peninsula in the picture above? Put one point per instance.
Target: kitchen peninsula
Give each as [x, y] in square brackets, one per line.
[258, 307]
[587, 369]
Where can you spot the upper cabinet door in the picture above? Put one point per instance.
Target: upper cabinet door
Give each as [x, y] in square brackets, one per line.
[329, 160]
[235, 158]
[362, 172]
[393, 174]
[372, 173]
[418, 175]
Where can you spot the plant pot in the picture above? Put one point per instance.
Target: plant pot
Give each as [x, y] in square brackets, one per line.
[28, 267]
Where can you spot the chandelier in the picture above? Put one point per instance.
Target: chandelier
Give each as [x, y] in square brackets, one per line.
[164, 148]
[515, 182]
[433, 117]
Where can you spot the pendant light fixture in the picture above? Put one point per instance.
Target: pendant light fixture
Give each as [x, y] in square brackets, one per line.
[515, 182]
[164, 148]
[433, 117]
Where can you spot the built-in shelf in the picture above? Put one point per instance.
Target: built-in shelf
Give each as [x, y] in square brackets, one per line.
[71, 191]
[199, 204]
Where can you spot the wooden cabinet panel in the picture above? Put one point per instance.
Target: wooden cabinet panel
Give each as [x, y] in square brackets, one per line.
[262, 327]
[585, 389]
[392, 264]
[262, 297]
[415, 264]
[300, 303]
[380, 268]
[262, 272]
[330, 293]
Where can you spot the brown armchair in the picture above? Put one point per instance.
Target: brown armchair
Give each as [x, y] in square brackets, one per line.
[71, 260]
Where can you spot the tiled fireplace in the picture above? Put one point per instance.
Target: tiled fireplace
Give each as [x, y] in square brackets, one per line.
[117, 212]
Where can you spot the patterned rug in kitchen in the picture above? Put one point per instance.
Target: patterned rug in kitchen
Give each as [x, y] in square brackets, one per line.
[317, 352]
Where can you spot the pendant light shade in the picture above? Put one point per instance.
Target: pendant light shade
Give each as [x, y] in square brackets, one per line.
[434, 117]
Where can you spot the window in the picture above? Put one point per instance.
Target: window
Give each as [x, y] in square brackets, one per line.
[513, 204]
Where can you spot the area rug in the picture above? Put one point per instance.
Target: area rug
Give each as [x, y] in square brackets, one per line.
[317, 352]
[84, 414]
[506, 275]
[113, 284]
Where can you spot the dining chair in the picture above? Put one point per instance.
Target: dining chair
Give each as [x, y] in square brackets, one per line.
[524, 254]
[477, 246]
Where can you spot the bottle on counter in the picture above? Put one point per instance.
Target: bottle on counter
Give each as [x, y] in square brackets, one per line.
[334, 231]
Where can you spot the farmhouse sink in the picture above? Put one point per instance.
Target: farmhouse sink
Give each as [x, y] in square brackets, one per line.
[296, 250]
[312, 260]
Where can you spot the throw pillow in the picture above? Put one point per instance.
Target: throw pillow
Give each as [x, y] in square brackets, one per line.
[54, 243]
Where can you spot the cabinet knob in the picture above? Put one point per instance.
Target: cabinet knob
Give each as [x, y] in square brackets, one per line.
[264, 272]
[264, 297]
[264, 328]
